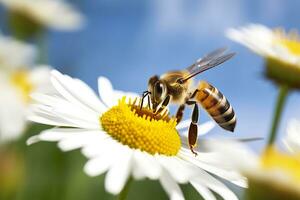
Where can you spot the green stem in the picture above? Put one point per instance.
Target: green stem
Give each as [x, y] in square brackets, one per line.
[283, 92]
[124, 192]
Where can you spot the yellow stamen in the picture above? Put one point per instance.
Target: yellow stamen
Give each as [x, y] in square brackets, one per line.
[21, 80]
[289, 41]
[272, 159]
[141, 129]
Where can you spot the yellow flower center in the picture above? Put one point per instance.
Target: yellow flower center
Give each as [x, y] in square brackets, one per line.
[20, 80]
[290, 41]
[140, 128]
[292, 45]
[272, 159]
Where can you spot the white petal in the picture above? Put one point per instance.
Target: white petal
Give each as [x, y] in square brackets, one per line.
[40, 78]
[184, 124]
[81, 140]
[76, 91]
[212, 163]
[234, 154]
[292, 138]
[51, 135]
[15, 53]
[12, 112]
[42, 118]
[97, 148]
[215, 185]
[59, 108]
[171, 187]
[146, 165]
[203, 128]
[110, 96]
[60, 134]
[256, 37]
[204, 191]
[119, 173]
[100, 164]
[106, 91]
[181, 171]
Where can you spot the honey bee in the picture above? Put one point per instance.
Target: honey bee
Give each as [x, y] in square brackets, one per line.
[177, 87]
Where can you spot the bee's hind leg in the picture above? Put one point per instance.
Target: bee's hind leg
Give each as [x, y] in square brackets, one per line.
[193, 129]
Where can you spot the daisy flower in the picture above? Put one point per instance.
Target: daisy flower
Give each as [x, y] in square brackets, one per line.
[280, 49]
[124, 140]
[16, 83]
[273, 175]
[55, 14]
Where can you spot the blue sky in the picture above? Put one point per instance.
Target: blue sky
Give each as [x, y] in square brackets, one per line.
[128, 41]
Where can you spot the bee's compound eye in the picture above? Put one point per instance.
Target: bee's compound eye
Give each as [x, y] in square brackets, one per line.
[180, 80]
[159, 88]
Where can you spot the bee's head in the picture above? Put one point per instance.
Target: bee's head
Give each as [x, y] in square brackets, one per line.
[158, 91]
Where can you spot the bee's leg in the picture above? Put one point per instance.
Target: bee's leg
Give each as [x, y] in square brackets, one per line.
[164, 104]
[145, 93]
[193, 129]
[149, 103]
[179, 113]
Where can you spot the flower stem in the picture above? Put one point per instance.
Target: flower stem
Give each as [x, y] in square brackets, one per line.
[283, 92]
[124, 192]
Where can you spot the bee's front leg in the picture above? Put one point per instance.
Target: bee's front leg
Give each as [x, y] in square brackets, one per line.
[193, 129]
[145, 93]
[164, 104]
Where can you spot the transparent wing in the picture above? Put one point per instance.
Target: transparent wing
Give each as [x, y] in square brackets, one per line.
[202, 61]
[209, 61]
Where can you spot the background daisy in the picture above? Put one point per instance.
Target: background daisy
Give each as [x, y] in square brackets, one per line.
[272, 175]
[280, 49]
[17, 81]
[55, 14]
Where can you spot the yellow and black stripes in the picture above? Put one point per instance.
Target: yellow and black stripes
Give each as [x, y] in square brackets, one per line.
[217, 106]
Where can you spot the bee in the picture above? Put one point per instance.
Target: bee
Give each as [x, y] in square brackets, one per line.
[177, 87]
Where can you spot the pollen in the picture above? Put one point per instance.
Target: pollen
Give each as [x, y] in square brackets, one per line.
[140, 128]
[272, 159]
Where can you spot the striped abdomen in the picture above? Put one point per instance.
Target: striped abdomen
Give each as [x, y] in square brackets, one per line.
[217, 106]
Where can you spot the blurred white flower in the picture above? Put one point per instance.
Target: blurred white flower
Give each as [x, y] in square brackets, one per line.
[15, 88]
[125, 141]
[274, 174]
[269, 43]
[17, 81]
[15, 54]
[280, 49]
[55, 14]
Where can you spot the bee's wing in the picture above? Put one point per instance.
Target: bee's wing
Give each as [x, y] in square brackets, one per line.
[202, 61]
[209, 61]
